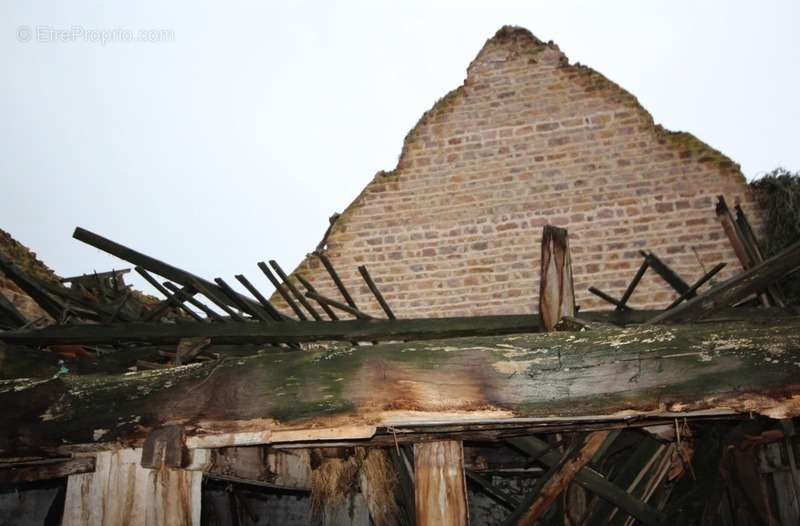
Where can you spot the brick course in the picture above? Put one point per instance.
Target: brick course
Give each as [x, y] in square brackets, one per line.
[531, 139]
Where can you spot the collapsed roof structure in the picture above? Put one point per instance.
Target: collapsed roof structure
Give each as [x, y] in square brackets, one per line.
[558, 415]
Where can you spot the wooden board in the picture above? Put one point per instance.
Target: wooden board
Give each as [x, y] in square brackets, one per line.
[120, 491]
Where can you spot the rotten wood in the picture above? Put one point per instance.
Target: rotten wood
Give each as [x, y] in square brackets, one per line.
[556, 289]
[440, 488]
[737, 288]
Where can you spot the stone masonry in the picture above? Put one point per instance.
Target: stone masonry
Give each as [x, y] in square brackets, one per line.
[531, 139]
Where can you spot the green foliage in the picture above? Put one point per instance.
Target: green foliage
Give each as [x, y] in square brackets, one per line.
[778, 194]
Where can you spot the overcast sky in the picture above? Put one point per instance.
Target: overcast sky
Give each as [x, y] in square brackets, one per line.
[232, 136]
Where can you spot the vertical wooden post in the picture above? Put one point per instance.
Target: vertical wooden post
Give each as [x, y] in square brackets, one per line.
[121, 491]
[440, 489]
[556, 290]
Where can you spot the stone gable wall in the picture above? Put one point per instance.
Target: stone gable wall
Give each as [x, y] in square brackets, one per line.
[530, 139]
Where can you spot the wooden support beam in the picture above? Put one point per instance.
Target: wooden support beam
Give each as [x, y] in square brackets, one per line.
[279, 332]
[440, 489]
[212, 315]
[776, 296]
[614, 301]
[274, 313]
[310, 288]
[666, 273]
[696, 285]
[623, 301]
[591, 480]
[737, 288]
[217, 297]
[175, 301]
[326, 262]
[31, 287]
[339, 305]
[257, 313]
[44, 470]
[376, 292]
[560, 479]
[282, 291]
[556, 290]
[279, 271]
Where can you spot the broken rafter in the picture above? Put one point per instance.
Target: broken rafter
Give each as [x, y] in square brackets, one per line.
[737, 288]
[310, 288]
[173, 301]
[339, 305]
[326, 262]
[291, 287]
[208, 312]
[151, 264]
[666, 273]
[273, 312]
[282, 291]
[696, 285]
[376, 292]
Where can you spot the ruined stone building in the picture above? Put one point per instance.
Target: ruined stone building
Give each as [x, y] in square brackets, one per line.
[455, 382]
[530, 139]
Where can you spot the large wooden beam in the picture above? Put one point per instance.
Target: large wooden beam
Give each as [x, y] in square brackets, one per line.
[556, 290]
[44, 470]
[278, 332]
[440, 488]
[737, 288]
[603, 374]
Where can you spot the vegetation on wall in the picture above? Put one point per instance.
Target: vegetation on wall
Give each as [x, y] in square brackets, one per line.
[778, 194]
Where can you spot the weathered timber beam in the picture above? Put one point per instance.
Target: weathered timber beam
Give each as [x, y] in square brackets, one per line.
[278, 332]
[176, 300]
[326, 262]
[440, 488]
[737, 288]
[310, 288]
[268, 307]
[632, 285]
[45, 470]
[165, 270]
[282, 291]
[602, 374]
[592, 481]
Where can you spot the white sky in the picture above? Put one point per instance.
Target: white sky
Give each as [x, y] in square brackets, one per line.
[235, 142]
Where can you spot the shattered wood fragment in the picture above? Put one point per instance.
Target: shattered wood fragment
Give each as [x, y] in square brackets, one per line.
[558, 482]
[737, 288]
[556, 290]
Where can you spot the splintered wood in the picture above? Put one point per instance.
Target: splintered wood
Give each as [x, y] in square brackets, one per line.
[556, 290]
